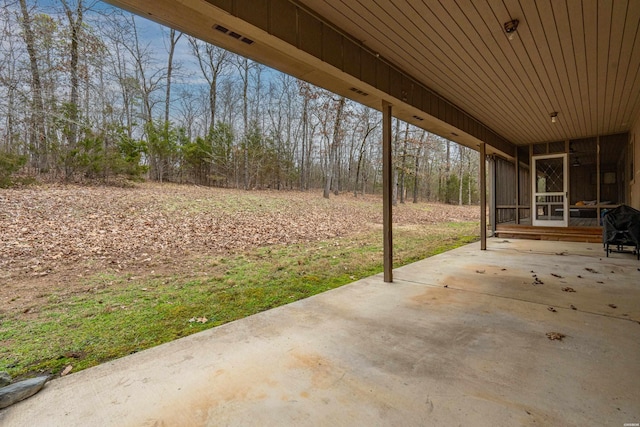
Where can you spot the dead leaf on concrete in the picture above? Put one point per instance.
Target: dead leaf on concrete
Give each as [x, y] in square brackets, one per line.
[591, 270]
[573, 307]
[568, 289]
[556, 275]
[555, 336]
[613, 306]
[480, 271]
[553, 310]
[66, 370]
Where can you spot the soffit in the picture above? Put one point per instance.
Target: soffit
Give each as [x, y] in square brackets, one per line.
[579, 58]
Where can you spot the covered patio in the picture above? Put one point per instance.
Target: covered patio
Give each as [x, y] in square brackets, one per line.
[524, 332]
[459, 339]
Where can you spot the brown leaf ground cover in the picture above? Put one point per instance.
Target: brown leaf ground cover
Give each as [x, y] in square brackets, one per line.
[53, 237]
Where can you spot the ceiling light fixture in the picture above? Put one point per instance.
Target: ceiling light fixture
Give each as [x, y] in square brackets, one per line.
[510, 28]
[554, 116]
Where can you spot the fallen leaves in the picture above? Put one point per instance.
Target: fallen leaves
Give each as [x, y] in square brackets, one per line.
[555, 336]
[537, 281]
[198, 320]
[568, 289]
[57, 236]
[47, 228]
[66, 370]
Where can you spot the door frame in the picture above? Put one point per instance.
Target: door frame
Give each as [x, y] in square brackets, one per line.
[564, 194]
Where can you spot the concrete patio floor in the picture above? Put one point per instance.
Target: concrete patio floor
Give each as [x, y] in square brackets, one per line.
[457, 339]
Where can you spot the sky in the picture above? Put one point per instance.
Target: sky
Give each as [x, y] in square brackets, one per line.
[151, 33]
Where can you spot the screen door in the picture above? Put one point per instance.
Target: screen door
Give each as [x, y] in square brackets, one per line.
[550, 191]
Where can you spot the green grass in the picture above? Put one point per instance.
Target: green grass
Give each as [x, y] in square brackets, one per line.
[124, 315]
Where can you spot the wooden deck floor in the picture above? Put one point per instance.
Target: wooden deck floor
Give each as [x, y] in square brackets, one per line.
[573, 222]
[565, 234]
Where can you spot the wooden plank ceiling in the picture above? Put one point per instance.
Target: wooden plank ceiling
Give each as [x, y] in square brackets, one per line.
[578, 58]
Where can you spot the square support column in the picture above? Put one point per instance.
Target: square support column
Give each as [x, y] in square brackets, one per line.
[387, 181]
[492, 185]
[483, 196]
[517, 186]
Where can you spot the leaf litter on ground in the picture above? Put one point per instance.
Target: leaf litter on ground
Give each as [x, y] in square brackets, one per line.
[55, 236]
[555, 336]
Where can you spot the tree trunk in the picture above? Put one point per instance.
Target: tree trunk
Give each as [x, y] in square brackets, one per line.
[244, 67]
[416, 168]
[303, 151]
[173, 40]
[396, 140]
[403, 165]
[361, 151]
[461, 173]
[334, 148]
[337, 175]
[75, 27]
[38, 133]
[212, 61]
[469, 180]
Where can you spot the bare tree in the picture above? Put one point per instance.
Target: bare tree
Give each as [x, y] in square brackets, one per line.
[10, 81]
[403, 163]
[75, 22]
[64, 82]
[212, 61]
[367, 127]
[420, 142]
[38, 135]
[174, 37]
[396, 142]
[334, 144]
[244, 66]
[306, 92]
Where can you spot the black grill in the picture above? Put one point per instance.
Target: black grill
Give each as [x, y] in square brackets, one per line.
[620, 228]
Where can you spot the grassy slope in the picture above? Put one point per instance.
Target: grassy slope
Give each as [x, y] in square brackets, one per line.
[123, 314]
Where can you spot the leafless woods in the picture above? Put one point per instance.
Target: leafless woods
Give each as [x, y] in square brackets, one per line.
[89, 92]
